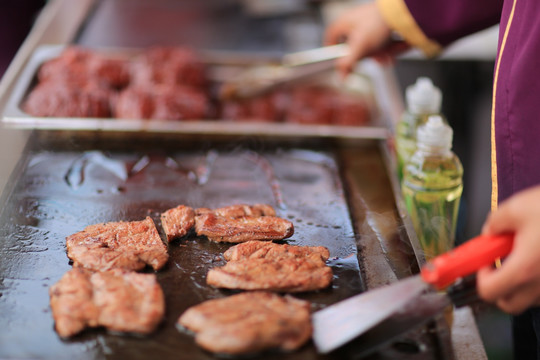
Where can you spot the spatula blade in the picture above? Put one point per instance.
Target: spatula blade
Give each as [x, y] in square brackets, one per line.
[337, 324]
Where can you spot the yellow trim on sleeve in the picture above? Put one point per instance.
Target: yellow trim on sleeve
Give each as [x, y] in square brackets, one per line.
[494, 183]
[398, 17]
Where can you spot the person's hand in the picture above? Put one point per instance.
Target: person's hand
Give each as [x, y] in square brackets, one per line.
[366, 33]
[515, 286]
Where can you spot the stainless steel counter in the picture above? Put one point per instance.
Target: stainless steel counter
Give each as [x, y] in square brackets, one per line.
[60, 23]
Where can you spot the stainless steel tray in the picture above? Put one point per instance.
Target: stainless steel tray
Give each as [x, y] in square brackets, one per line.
[375, 78]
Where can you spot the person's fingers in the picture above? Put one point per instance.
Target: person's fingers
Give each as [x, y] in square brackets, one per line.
[335, 33]
[493, 284]
[513, 304]
[365, 32]
[512, 214]
[345, 65]
[484, 284]
[362, 42]
[359, 42]
[516, 285]
[522, 299]
[500, 221]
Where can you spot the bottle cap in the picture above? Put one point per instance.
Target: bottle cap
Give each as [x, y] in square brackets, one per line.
[423, 97]
[435, 133]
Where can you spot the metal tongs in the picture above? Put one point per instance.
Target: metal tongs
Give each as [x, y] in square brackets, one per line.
[294, 67]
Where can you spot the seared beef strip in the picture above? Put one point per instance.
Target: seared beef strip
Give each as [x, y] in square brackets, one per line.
[277, 274]
[240, 210]
[122, 301]
[259, 265]
[126, 245]
[226, 229]
[177, 221]
[249, 322]
[269, 250]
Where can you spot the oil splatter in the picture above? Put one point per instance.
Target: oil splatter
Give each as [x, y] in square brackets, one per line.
[75, 175]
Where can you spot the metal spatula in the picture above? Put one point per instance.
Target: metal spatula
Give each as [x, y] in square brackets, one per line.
[339, 323]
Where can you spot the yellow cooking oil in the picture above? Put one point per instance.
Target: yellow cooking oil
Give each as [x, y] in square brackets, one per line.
[432, 187]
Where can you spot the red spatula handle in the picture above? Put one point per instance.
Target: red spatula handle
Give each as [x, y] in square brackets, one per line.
[466, 259]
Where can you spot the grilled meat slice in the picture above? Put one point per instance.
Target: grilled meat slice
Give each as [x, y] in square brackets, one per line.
[258, 265]
[226, 229]
[249, 322]
[286, 274]
[240, 210]
[269, 250]
[121, 301]
[126, 245]
[178, 221]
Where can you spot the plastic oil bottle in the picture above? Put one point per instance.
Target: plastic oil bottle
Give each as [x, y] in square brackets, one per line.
[432, 187]
[423, 99]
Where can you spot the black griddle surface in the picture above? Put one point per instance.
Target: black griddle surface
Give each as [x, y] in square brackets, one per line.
[58, 193]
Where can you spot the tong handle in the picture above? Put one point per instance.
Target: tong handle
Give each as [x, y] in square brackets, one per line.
[466, 259]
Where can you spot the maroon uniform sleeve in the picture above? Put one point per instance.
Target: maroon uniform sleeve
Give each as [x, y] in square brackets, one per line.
[432, 24]
[448, 20]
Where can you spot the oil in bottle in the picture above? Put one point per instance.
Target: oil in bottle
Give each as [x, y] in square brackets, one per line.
[432, 187]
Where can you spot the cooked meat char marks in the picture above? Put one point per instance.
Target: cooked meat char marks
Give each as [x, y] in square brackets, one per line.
[177, 222]
[240, 210]
[226, 229]
[258, 265]
[121, 301]
[249, 322]
[269, 250]
[126, 245]
[276, 274]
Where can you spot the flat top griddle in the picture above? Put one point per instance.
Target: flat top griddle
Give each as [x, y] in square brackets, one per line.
[58, 193]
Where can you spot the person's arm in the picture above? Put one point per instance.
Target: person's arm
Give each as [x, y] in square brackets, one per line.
[515, 286]
[429, 25]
